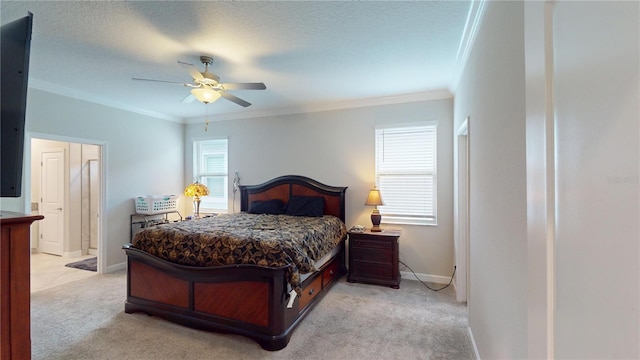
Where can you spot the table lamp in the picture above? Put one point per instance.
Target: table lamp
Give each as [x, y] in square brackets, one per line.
[196, 190]
[374, 199]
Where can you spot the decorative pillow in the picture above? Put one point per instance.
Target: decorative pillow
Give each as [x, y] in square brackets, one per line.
[273, 207]
[305, 206]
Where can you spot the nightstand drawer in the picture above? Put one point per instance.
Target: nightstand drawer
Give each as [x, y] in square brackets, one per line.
[371, 270]
[375, 256]
[371, 244]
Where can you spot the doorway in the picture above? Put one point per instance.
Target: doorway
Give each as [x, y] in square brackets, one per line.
[66, 185]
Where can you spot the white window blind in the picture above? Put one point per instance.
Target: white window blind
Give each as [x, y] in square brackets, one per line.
[210, 166]
[406, 174]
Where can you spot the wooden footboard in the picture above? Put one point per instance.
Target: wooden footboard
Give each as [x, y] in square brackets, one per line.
[247, 300]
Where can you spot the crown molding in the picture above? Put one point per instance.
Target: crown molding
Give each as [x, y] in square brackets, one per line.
[80, 95]
[474, 19]
[328, 106]
[318, 107]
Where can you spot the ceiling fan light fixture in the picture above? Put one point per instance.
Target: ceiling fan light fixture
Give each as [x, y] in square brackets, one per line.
[205, 94]
[207, 88]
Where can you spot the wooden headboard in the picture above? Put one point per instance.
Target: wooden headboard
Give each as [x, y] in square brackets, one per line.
[294, 185]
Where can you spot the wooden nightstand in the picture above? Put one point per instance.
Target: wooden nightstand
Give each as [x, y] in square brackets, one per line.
[373, 257]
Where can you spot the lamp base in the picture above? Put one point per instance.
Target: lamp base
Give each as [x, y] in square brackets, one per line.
[375, 220]
[196, 205]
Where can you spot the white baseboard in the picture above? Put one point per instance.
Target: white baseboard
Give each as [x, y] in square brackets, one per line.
[116, 267]
[93, 251]
[72, 254]
[437, 279]
[473, 343]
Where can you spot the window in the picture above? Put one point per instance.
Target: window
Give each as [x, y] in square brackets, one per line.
[210, 167]
[406, 174]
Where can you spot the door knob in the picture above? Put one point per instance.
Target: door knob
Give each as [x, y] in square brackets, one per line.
[59, 208]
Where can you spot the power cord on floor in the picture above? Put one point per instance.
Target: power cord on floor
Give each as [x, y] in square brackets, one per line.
[427, 285]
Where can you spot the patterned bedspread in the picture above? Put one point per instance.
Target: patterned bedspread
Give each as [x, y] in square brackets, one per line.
[243, 238]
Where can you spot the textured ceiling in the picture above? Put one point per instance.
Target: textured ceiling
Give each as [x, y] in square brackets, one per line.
[311, 55]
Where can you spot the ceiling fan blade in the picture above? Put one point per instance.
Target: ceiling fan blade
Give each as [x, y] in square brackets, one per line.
[195, 74]
[188, 99]
[234, 99]
[244, 86]
[162, 81]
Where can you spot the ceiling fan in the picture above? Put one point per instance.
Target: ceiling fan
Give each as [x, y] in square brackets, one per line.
[207, 88]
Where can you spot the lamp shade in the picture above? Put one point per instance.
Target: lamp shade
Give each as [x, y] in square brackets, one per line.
[196, 189]
[205, 95]
[374, 198]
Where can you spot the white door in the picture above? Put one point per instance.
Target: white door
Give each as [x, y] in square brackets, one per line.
[53, 194]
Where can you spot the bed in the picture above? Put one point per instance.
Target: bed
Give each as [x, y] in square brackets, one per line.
[263, 299]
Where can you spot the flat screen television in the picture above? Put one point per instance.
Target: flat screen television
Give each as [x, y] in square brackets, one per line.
[14, 59]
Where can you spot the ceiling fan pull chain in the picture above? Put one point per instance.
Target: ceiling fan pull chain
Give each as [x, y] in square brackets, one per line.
[206, 118]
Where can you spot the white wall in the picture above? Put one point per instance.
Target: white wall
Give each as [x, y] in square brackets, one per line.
[591, 284]
[337, 148]
[142, 155]
[540, 182]
[597, 107]
[491, 93]
[147, 156]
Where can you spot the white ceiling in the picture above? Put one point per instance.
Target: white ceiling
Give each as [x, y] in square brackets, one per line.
[311, 55]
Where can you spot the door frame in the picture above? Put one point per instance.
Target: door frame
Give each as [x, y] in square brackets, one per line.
[102, 220]
[461, 211]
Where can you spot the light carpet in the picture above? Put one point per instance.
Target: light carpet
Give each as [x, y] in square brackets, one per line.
[85, 319]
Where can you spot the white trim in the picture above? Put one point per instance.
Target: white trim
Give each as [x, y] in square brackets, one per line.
[550, 149]
[474, 18]
[461, 210]
[436, 279]
[102, 229]
[473, 343]
[428, 130]
[62, 138]
[463, 130]
[403, 220]
[300, 109]
[357, 103]
[81, 95]
[102, 241]
[116, 267]
[541, 177]
[408, 124]
[72, 254]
